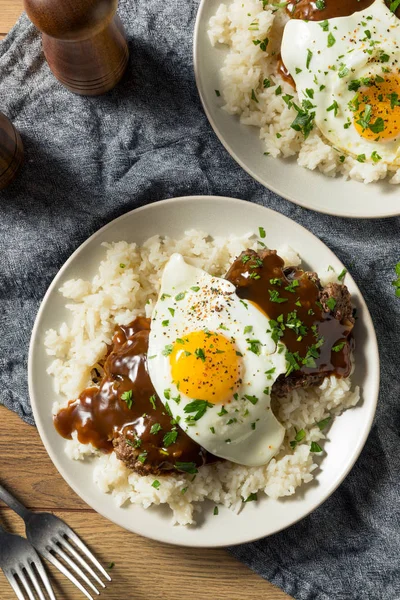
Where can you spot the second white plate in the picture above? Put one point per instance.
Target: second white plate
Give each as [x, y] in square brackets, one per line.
[310, 189]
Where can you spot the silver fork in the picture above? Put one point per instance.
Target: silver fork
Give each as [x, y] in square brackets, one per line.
[54, 540]
[18, 559]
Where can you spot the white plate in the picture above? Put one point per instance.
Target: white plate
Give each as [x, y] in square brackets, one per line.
[310, 189]
[218, 216]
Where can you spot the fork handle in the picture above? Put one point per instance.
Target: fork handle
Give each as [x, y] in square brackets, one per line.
[13, 503]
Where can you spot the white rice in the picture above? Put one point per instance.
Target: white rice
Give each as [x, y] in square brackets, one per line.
[245, 68]
[126, 286]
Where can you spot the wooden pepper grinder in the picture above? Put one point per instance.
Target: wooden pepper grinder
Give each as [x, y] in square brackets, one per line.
[11, 151]
[83, 41]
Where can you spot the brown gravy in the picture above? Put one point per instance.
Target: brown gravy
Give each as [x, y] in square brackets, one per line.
[264, 281]
[308, 10]
[100, 413]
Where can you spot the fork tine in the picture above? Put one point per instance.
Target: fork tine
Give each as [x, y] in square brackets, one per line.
[25, 583]
[40, 569]
[78, 542]
[64, 542]
[13, 582]
[34, 580]
[54, 561]
[58, 550]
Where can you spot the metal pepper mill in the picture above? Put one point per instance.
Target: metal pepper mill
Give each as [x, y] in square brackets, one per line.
[83, 41]
[11, 151]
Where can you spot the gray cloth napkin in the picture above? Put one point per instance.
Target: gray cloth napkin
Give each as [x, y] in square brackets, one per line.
[89, 160]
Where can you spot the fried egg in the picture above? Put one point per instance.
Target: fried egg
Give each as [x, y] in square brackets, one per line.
[346, 72]
[213, 362]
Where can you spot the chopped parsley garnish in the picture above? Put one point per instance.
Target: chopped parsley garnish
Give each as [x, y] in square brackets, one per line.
[310, 93]
[304, 121]
[111, 566]
[267, 83]
[250, 498]
[164, 296]
[254, 346]
[122, 265]
[331, 303]
[186, 467]
[361, 159]
[167, 350]
[170, 438]
[223, 411]
[155, 428]
[396, 282]
[253, 96]
[248, 329]
[142, 457]
[331, 40]
[165, 323]
[212, 429]
[261, 232]
[269, 373]
[293, 359]
[322, 424]
[287, 99]
[314, 446]
[215, 510]
[292, 285]
[375, 156]
[180, 296]
[338, 347]
[278, 91]
[217, 93]
[342, 274]
[394, 5]
[300, 435]
[197, 406]
[378, 126]
[195, 288]
[199, 352]
[275, 297]
[152, 401]
[172, 311]
[253, 425]
[309, 57]
[252, 399]
[136, 444]
[127, 397]
[245, 258]
[324, 25]
[156, 484]
[275, 281]
[335, 107]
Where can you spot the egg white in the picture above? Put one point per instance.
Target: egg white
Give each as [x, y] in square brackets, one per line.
[332, 67]
[248, 444]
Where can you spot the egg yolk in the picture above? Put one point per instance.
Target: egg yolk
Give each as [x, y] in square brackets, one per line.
[377, 109]
[205, 366]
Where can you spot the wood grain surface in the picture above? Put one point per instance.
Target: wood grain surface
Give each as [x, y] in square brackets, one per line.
[144, 570]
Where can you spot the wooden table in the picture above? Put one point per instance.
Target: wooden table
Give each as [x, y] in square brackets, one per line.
[144, 570]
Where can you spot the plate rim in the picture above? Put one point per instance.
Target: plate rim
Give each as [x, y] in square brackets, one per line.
[232, 153]
[41, 426]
